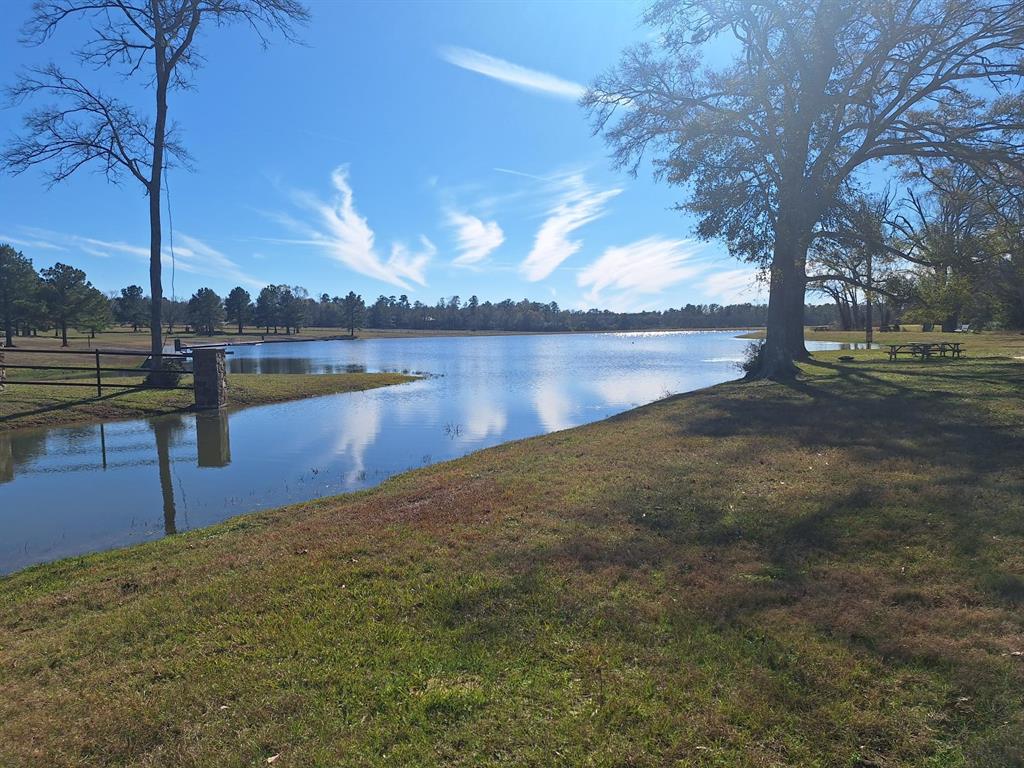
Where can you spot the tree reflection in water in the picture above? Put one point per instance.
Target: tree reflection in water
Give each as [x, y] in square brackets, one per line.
[213, 449]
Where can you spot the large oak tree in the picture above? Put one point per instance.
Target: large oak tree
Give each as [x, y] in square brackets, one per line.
[769, 112]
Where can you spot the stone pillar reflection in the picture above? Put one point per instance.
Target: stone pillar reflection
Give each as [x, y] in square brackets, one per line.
[213, 439]
[6, 458]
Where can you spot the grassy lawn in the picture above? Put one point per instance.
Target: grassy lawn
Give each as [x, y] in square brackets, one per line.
[827, 573]
[44, 406]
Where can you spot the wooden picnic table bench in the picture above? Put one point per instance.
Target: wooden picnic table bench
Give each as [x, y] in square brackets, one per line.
[926, 350]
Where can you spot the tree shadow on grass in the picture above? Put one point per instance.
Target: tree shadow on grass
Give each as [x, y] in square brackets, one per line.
[896, 559]
[926, 469]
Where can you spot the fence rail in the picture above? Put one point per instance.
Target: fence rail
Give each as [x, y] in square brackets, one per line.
[98, 369]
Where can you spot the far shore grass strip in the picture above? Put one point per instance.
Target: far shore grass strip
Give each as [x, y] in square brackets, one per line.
[45, 406]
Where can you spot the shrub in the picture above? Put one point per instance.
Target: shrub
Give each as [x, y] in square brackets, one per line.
[751, 358]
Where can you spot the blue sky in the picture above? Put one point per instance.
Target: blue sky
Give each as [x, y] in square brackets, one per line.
[431, 149]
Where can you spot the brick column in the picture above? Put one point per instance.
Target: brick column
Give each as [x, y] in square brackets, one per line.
[209, 373]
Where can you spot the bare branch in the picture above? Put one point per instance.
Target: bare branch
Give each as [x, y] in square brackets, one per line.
[86, 127]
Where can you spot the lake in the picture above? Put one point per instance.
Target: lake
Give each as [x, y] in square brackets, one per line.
[72, 490]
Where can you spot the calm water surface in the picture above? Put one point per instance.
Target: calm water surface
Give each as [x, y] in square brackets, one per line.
[67, 491]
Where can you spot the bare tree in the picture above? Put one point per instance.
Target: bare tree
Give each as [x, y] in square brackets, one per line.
[152, 39]
[818, 90]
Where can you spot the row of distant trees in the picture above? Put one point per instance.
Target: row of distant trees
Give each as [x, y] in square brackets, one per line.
[61, 297]
[471, 314]
[980, 283]
[56, 297]
[276, 306]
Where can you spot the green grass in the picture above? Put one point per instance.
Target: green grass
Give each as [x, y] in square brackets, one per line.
[45, 406]
[827, 573]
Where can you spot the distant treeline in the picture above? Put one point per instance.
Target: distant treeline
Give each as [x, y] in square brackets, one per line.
[282, 308]
[508, 315]
[61, 296]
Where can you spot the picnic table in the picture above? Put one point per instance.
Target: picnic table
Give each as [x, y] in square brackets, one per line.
[926, 350]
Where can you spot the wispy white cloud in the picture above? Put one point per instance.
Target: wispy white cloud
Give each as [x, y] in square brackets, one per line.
[346, 236]
[99, 254]
[191, 254]
[104, 247]
[476, 239]
[200, 258]
[513, 74]
[734, 286]
[513, 172]
[626, 277]
[33, 243]
[576, 204]
[412, 263]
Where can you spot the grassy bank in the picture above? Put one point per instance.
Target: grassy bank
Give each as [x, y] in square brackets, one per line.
[975, 344]
[45, 406]
[827, 573]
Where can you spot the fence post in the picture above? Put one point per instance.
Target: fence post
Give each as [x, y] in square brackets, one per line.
[3, 371]
[99, 380]
[209, 378]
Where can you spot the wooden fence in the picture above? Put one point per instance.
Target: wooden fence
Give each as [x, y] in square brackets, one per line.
[95, 370]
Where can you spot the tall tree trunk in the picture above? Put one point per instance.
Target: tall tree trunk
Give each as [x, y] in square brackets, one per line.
[8, 331]
[844, 312]
[155, 244]
[796, 293]
[156, 290]
[776, 358]
[784, 341]
[63, 333]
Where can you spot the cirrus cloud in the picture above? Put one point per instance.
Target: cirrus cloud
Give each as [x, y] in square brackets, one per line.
[512, 74]
[735, 286]
[346, 236]
[577, 204]
[626, 277]
[476, 239]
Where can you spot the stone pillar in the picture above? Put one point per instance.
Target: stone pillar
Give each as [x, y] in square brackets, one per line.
[209, 373]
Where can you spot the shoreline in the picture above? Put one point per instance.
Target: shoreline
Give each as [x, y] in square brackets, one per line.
[374, 334]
